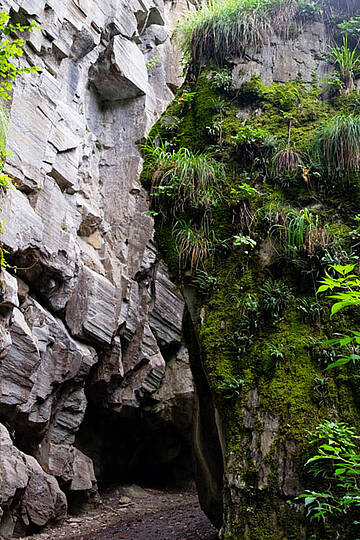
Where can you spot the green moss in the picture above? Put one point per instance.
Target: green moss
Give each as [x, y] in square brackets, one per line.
[277, 389]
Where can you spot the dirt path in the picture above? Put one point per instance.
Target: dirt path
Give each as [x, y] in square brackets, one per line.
[135, 513]
[182, 523]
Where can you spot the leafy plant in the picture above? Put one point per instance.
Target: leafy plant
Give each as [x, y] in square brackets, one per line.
[348, 63]
[337, 144]
[241, 240]
[152, 62]
[232, 387]
[249, 312]
[337, 461]
[320, 353]
[205, 282]
[320, 390]
[243, 192]
[309, 10]
[12, 50]
[222, 80]
[276, 353]
[345, 290]
[310, 311]
[351, 27]
[187, 97]
[250, 135]
[276, 296]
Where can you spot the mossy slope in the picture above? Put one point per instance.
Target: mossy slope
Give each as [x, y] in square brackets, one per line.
[279, 355]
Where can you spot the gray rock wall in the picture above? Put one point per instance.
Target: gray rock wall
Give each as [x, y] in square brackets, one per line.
[90, 313]
[282, 60]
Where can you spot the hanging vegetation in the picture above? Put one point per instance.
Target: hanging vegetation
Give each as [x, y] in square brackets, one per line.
[337, 144]
[222, 29]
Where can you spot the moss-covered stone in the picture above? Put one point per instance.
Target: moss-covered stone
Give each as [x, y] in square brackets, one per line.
[264, 429]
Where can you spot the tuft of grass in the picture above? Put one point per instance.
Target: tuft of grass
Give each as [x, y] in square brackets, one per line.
[195, 244]
[183, 178]
[287, 160]
[220, 29]
[337, 144]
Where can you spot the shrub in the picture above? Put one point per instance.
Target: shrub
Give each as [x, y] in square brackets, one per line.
[337, 144]
[337, 461]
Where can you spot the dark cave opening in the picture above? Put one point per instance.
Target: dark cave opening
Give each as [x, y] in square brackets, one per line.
[138, 449]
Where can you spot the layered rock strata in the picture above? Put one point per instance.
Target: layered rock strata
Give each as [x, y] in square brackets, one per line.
[87, 310]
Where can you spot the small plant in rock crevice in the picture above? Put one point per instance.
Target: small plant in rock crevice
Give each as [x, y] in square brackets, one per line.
[195, 244]
[276, 354]
[310, 311]
[183, 179]
[205, 282]
[222, 80]
[275, 297]
[320, 390]
[231, 388]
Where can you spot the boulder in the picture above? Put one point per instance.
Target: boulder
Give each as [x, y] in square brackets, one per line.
[28, 495]
[121, 72]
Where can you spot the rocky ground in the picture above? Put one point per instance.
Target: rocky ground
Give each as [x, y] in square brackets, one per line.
[136, 513]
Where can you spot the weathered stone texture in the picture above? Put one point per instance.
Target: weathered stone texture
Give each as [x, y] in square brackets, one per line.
[89, 289]
[42, 499]
[281, 60]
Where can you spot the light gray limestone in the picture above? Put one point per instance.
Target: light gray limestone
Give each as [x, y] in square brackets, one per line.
[90, 296]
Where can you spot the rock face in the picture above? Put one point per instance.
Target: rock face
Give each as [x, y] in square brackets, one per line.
[91, 320]
[255, 371]
[284, 60]
[25, 489]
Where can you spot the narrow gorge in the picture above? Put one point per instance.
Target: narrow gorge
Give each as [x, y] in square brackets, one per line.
[187, 176]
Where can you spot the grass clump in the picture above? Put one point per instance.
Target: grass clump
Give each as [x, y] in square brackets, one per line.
[222, 29]
[337, 144]
[195, 244]
[183, 178]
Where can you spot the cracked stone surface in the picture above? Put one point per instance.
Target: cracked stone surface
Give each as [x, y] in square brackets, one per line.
[91, 312]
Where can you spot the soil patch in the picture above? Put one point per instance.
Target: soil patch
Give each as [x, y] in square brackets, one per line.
[136, 513]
